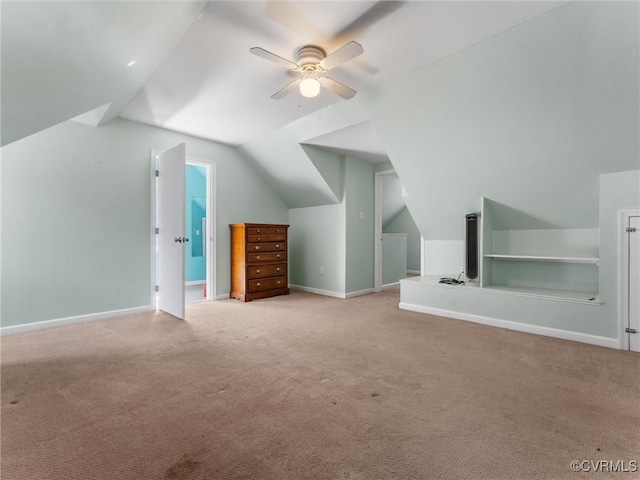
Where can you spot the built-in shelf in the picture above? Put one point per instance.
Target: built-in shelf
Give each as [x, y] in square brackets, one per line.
[590, 298]
[543, 258]
[549, 293]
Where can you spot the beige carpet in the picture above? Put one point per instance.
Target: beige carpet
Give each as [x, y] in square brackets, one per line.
[310, 387]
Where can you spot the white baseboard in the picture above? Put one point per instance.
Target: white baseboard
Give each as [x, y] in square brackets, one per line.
[222, 296]
[318, 291]
[520, 327]
[194, 282]
[329, 293]
[58, 322]
[414, 272]
[357, 293]
[390, 285]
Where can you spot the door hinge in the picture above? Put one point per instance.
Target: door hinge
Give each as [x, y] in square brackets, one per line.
[630, 330]
[157, 173]
[157, 231]
[630, 229]
[157, 288]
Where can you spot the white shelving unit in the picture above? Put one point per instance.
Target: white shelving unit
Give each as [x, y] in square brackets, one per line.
[543, 258]
[554, 263]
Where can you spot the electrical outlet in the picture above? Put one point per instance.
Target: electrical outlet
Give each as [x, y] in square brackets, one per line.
[321, 270]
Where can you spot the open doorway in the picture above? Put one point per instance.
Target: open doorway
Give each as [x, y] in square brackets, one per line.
[397, 238]
[197, 221]
[198, 217]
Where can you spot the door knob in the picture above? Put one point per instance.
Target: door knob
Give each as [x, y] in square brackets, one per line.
[177, 240]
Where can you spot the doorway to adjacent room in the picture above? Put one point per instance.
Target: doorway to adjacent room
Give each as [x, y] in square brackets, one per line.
[183, 230]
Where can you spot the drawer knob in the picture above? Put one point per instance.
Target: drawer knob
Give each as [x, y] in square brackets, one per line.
[258, 238]
[258, 284]
[278, 256]
[257, 257]
[258, 231]
[257, 271]
[257, 247]
[277, 245]
[278, 269]
[278, 282]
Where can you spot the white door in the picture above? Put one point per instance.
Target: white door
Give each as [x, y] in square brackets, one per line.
[171, 238]
[634, 283]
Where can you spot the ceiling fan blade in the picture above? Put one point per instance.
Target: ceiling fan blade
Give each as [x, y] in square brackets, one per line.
[373, 15]
[344, 53]
[286, 90]
[267, 55]
[337, 87]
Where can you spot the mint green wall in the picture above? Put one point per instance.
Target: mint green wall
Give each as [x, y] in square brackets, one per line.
[335, 237]
[403, 223]
[195, 268]
[528, 118]
[76, 217]
[394, 258]
[317, 239]
[359, 197]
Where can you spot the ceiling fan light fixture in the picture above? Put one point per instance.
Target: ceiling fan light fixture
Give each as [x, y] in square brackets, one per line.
[309, 87]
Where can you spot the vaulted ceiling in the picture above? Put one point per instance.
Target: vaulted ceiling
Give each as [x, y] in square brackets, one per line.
[186, 66]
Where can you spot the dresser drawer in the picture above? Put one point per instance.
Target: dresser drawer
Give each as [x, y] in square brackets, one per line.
[267, 284]
[266, 257]
[267, 247]
[267, 271]
[263, 237]
[257, 231]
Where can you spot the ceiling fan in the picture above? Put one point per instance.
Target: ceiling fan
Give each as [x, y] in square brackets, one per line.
[311, 63]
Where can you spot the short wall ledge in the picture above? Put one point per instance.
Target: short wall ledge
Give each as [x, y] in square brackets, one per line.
[586, 298]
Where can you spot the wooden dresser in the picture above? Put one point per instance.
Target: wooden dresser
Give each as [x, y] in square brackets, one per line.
[258, 261]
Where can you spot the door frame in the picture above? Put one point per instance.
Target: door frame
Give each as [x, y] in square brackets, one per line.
[211, 248]
[377, 232]
[212, 227]
[623, 269]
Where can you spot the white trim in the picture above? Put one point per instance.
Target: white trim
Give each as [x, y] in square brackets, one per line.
[520, 327]
[318, 291]
[358, 293]
[377, 235]
[223, 296]
[58, 322]
[387, 286]
[194, 282]
[414, 272]
[623, 276]
[423, 268]
[153, 297]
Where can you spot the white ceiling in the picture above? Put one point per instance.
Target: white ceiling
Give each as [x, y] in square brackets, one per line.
[63, 59]
[193, 72]
[359, 141]
[211, 86]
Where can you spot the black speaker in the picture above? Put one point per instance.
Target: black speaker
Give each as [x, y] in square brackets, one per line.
[471, 246]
